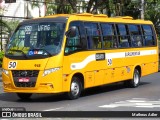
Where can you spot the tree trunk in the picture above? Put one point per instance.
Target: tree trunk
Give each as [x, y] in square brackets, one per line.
[90, 4]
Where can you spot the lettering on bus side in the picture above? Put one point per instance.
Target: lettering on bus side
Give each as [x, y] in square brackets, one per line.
[137, 53]
[100, 56]
[37, 65]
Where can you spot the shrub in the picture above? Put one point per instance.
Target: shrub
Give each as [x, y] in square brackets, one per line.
[1, 57]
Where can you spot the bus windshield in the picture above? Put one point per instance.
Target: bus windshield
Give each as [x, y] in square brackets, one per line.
[36, 40]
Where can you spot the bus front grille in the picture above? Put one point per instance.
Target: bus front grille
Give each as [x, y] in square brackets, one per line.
[25, 73]
[25, 78]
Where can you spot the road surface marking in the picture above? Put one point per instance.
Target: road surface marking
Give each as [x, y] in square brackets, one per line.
[54, 109]
[135, 102]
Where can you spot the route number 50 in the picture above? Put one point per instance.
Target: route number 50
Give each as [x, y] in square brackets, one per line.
[12, 65]
[109, 61]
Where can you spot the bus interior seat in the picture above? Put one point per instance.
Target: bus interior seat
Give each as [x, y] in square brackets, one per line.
[90, 42]
[124, 44]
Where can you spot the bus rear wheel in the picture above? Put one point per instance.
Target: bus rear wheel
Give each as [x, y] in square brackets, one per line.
[133, 83]
[24, 96]
[75, 88]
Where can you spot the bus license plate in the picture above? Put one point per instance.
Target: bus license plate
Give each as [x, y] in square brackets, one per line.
[23, 80]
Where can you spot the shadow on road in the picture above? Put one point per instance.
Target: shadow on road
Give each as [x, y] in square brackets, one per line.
[108, 88]
[12, 97]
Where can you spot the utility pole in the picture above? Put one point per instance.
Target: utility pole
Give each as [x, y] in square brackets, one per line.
[142, 9]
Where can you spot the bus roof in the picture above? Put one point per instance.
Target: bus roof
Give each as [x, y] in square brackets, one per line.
[91, 17]
[46, 19]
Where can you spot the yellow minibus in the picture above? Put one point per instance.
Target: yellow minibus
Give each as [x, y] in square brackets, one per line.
[67, 53]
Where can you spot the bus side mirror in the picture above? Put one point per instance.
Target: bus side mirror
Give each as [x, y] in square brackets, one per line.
[71, 32]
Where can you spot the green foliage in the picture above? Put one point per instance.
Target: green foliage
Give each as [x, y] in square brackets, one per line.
[12, 24]
[1, 57]
[152, 13]
[51, 9]
[8, 26]
[3, 24]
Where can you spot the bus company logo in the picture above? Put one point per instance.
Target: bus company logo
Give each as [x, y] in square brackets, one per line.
[6, 114]
[24, 73]
[30, 53]
[136, 53]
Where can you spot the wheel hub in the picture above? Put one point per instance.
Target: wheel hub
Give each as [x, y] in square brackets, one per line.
[74, 88]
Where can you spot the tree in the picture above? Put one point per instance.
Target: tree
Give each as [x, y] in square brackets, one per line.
[63, 6]
[94, 5]
[132, 8]
[5, 31]
[72, 6]
[152, 12]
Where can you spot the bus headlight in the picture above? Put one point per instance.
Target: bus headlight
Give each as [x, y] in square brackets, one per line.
[48, 71]
[5, 71]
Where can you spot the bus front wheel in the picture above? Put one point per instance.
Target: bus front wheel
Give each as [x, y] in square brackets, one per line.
[75, 88]
[133, 83]
[24, 96]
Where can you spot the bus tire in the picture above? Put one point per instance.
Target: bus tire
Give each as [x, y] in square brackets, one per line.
[75, 88]
[135, 81]
[24, 96]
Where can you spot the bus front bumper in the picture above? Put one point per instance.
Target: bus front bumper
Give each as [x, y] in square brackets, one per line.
[47, 84]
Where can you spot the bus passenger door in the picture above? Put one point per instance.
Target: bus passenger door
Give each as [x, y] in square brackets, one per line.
[73, 51]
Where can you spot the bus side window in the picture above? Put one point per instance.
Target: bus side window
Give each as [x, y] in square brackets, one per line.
[135, 33]
[78, 42]
[93, 35]
[123, 36]
[73, 43]
[109, 38]
[148, 35]
[90, 42]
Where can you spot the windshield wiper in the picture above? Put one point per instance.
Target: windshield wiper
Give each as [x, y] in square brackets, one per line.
[20, 51]
[48, 53]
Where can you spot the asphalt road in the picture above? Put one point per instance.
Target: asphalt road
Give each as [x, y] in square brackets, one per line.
[113, 97]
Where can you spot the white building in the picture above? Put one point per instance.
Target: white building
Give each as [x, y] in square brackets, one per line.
[22, 8]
